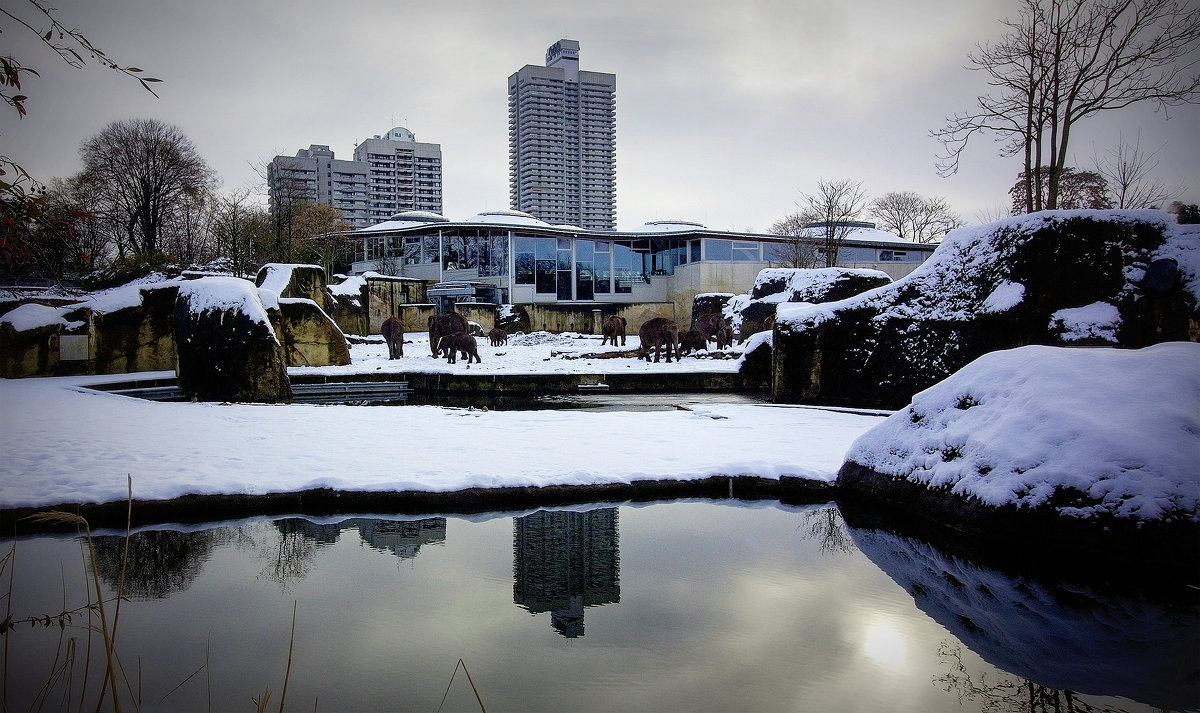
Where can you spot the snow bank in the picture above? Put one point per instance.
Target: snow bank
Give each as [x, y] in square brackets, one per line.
[1115, 432]
[64, 444]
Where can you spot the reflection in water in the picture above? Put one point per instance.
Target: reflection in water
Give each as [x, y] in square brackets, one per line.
[1058, 637]
[290, 559]
[160, 563]
[565, 561]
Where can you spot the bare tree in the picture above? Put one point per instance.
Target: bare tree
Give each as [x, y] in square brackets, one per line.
[915, 217]
[1128, 172]
[831, 213]
[799, 250]
[1062, 61]
[22, 196]
[139, 173]
[318, 229]
[1077, 189]
[239, 228]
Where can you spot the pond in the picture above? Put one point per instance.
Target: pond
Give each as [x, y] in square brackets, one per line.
[670, 606]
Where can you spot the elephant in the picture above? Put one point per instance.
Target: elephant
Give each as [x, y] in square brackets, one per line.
[460, 342]
[445, 324]
[708, 324]
[393, 334]
[656, 333]
[612, 328]
[724, 337]
[498, 337]
[690, 341]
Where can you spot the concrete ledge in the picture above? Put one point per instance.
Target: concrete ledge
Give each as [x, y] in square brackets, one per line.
[192, 509]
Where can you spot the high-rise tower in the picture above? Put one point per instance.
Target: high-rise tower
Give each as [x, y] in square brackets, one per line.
[562, 141]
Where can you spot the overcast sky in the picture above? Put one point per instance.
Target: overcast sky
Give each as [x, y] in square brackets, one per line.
[726, 111]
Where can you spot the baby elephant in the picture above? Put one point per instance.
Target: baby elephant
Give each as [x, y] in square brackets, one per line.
[452, 344]
[724, 337]
[691, 341]
[393, 334]
[612, 328]
[498, 337]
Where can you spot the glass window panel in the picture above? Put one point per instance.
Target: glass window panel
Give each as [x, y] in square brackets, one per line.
[584, 250]
[430, 254]
[524, 268]
[546, 276]
[564, 284]
[744, 251]
[695, 246]
[715, 249]
[603, 267]
[545, 248]
[583, 281]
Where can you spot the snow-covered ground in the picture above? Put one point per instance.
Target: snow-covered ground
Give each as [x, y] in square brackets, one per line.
[534, 353]
[65, 443]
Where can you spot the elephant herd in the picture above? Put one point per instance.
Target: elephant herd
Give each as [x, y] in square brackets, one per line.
[450, 336]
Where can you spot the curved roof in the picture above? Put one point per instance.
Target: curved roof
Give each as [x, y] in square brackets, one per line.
[670, 225]
[406, 219]
[507, 217]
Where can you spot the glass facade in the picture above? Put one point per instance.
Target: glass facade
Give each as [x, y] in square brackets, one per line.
[588, 267]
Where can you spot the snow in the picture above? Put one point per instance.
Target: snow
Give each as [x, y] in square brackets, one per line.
[1019, 426]
[32, 316]
[947, 286]
[1099, 320]
[507, 217]
[1006, 296]
[278, 276]
[226, 293]
[65, 443]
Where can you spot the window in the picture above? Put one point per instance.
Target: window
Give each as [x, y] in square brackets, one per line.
[715, 249]
[745, 251]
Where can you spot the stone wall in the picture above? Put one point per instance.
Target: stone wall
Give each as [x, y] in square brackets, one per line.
[584, 318]
[308, 336]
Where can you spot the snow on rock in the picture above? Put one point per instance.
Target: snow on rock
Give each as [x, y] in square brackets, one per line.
[777, 285]
[33, 316]
[276, 277]
[987, 288]
[1098, 321]
[1006, 296]
[215, 294]
[1086, 432]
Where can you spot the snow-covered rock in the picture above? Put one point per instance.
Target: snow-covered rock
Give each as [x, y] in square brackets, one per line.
[1094, 434]
[778, 285]
[1055, 277]
[228, 350]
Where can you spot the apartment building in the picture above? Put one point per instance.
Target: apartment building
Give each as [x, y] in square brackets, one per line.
[390, 174]
[562, 141]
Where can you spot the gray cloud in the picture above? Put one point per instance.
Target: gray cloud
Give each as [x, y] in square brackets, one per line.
[725, 111]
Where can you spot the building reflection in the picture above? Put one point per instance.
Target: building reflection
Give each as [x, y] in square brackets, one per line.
[403, 538]
[566, 561]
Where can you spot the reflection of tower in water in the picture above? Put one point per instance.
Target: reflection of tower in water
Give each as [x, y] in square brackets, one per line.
[565, 561]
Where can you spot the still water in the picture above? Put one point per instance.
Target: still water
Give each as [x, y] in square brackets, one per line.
[722, 606]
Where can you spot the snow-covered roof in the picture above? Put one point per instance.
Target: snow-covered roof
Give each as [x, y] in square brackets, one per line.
[672, 225]
[867, 235]
[406, 219]
[507, 217]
